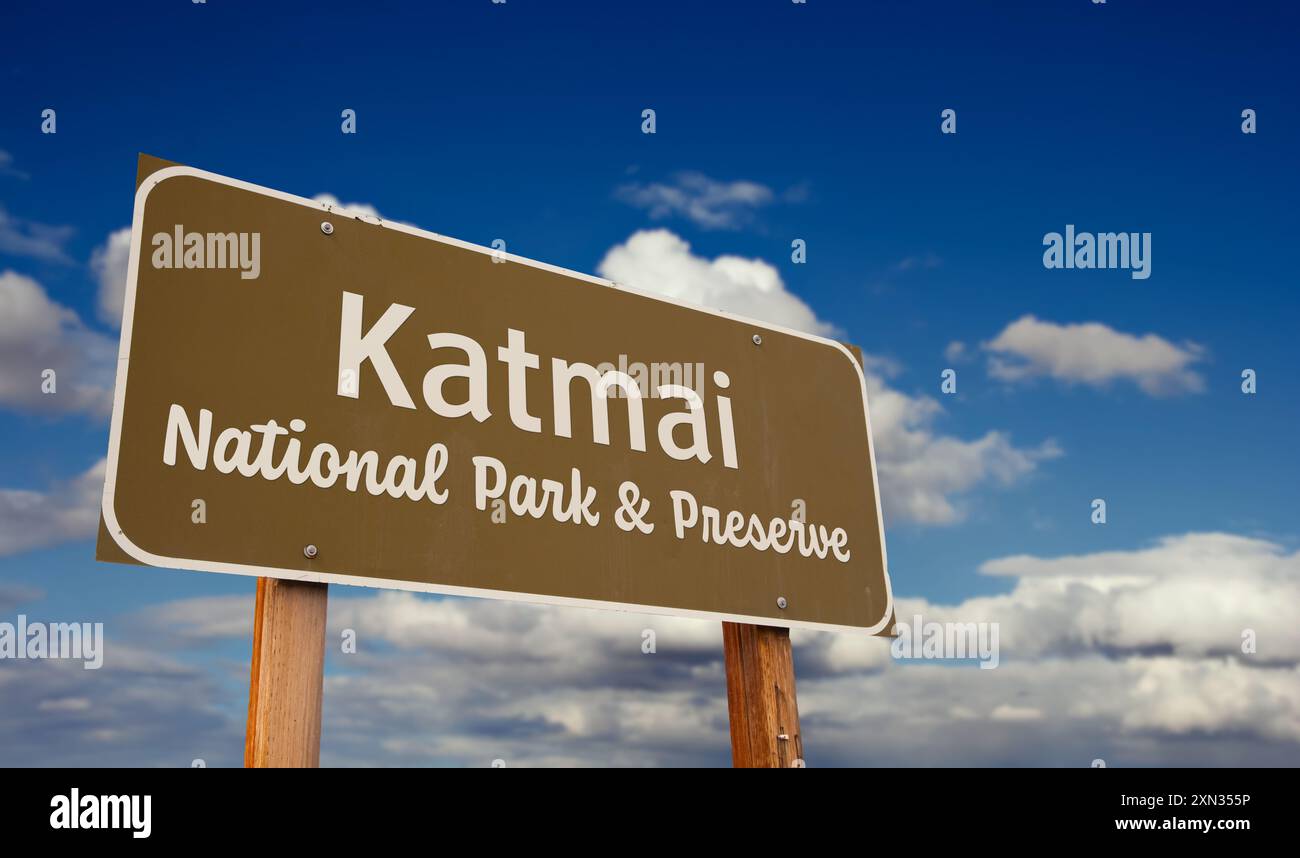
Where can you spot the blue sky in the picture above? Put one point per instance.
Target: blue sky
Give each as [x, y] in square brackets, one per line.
[779, 121]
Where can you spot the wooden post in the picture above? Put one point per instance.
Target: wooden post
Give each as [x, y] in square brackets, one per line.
[288, 674]
[761, 697]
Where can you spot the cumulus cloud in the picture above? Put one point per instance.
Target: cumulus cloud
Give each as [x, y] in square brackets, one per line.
[1189, 595]
[38, 519]
[1119, 655]
[20, 237]
[662, 262]
[142, 708]
[196, 622]
[920, 469]
[1093, 354]
[708, 203]
[109, 262]
[464, 682]
[37, 334]
[1094, 664]
[1132, 649]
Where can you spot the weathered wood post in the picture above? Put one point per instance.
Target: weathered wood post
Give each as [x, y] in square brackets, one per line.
[761, 697]
[287, 676]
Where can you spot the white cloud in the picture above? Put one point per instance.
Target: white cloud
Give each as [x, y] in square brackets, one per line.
[956, 352]
[7, 167]
[64, 704]
[660, 261]
[1100, 657]
[1189, 595]
[1119, 655]
[1092, 353]
[20, 237]
[142, 708]
[37, 334]
[408, 621]
[33, 519]
[920, 470]
[543, 686]
[913, 263]
[109, 262]
[707, 202]
[197, 621]
[1215, 697]
[1007, 712]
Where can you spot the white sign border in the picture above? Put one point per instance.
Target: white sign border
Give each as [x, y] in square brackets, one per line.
[150, 559]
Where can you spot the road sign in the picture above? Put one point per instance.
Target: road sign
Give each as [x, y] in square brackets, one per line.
[311, 394]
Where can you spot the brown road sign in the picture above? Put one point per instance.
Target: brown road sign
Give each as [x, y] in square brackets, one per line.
[310, 394]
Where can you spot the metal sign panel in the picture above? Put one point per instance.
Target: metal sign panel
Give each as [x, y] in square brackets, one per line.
[304, 393]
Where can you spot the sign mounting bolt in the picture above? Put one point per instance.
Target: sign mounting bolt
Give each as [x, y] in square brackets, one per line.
[758, 340]
[327, 227]
[309, 551]
[781, 602]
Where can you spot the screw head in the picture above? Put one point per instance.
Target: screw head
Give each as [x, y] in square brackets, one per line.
[309, 552]
[758, 340]
[327, 227]
[781, 602]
